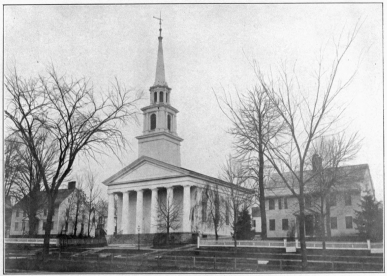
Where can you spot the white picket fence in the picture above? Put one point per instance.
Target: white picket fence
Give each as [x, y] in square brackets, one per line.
[30, 241]
[289, 245]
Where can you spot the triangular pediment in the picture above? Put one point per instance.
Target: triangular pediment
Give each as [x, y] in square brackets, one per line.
[145, 170]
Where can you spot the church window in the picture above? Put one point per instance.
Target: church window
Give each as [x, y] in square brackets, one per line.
[161, 97]
[155, 97]
[153, 121]
[167, 97]
[169, 121]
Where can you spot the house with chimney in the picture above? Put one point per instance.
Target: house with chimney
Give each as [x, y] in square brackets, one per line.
[63, 220]
[335, 210]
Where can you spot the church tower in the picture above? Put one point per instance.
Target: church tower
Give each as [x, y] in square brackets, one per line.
[159, 139]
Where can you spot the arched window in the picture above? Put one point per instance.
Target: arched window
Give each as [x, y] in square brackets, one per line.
[153, 121]
[161, 97]
[155, 97]
[169, 121]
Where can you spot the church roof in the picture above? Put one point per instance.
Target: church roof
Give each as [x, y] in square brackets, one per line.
[183, 173]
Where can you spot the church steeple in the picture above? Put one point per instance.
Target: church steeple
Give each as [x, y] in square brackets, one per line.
[160, 72]
[159, 139]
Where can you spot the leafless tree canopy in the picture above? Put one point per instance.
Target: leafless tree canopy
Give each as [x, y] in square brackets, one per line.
[169, 214]
[308, 112]
[66, 117]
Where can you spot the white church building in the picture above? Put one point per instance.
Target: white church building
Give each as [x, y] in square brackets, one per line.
[157, 174]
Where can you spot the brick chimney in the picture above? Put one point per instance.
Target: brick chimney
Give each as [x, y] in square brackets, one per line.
[316, 162]
[71, 185]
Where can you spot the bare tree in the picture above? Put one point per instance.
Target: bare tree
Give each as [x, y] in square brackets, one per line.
[328, 155]
[12, 164]
[169, 212]
[73, 119]
[92, 194]
[100, 214]
[27, 180]
[239, 195]
[255, 123]
[214, 207]
[307, 114]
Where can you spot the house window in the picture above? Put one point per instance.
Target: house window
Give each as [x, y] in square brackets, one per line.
[155, 97]
[153, 121]
[347, 199]
[272, 224]
[204, 210]
[332, 199]
[280, 203]
[23, 225]
[348, 222]
[16, 226]
[254, 223]
[161, 97]
[271, 204]
[285, 203]
[308, 201]
[285, 224]
[169, 119]
[333, 223]
[17, 213]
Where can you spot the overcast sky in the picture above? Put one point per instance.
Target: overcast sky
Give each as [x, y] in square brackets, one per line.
[206, 48]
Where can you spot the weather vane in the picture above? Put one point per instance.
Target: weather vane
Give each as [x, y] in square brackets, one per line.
[159, 18]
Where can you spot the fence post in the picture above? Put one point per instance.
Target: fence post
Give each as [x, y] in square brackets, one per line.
[194, 262]
[198, 245]
[234, 263]
[296, 243]
[333, 266]
[285, 242]
[111, 257]
[214, 262]
[175, 260]
[369, 244]
[281, 264]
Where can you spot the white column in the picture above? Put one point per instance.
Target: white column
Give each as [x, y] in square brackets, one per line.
[125, 213]
[186, 209]
[139, 213]
[153, 219]
[199, 199]
[119, 213]
[110, 226]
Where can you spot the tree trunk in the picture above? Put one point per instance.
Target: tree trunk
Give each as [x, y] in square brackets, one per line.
[88, 225]
[216, 231]
[322, 225]
[304, 258]
[32, 224]
[328, 216]
[47, 230]
[261, 183]
[76, 219]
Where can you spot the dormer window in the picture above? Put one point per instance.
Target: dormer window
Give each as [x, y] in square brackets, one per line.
[161, 97]
[155, 97]
[153, 121]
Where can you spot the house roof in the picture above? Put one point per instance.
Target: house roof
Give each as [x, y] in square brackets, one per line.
[353, 177]
[184, 172]
[62, 195]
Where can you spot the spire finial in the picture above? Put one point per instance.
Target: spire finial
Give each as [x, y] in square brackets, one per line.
[159, 18]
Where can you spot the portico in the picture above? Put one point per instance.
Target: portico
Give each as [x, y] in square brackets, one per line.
[137, 208]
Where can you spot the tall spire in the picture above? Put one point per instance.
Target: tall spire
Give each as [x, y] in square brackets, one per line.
[160, 71]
